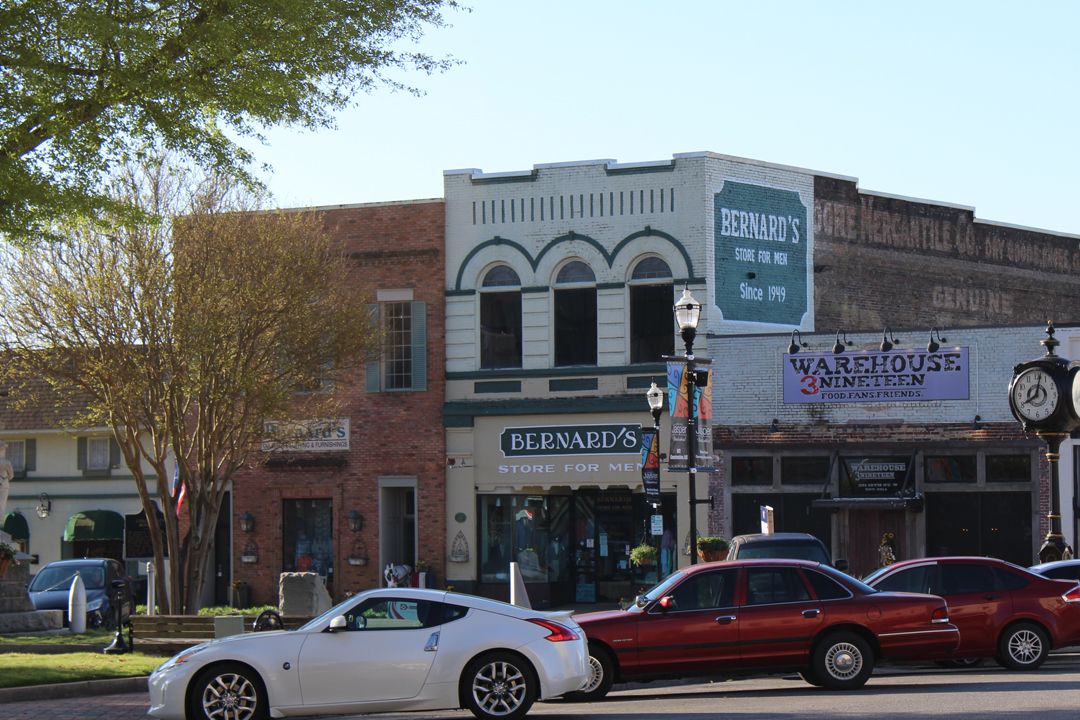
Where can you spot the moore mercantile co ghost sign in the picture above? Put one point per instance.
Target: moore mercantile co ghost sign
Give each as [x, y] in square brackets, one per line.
[760, 237]
[870, 376]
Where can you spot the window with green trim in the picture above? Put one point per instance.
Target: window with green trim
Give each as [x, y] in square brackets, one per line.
[401, 363]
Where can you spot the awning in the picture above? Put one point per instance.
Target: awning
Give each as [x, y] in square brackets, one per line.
[15, 525]
[94, 525]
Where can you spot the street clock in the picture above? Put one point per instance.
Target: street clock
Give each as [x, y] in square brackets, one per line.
[1044, 396]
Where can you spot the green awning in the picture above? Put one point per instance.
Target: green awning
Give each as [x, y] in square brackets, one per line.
[15, 525]
[94, 525]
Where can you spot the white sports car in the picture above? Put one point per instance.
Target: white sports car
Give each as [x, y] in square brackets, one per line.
[390, 649]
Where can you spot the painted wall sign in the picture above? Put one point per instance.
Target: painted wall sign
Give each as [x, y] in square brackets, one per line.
[557, 440]
[872, 376]
[760, 240]
[316, 435]
[869, 477]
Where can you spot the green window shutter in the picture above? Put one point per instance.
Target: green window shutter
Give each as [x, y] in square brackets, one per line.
[114, 453]
[81, 460]
[419, 345]
[30, 455]
[372, 381]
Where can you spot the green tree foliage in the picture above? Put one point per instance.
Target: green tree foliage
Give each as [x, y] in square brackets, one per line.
[183, 336]
[85, 83]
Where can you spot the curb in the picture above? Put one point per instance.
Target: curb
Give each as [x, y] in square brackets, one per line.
[84, 688]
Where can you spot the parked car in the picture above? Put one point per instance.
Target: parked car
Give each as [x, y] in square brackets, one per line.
[800, 546]
[1003, 611]
[1059, 570]
[391, 649]
[737, 616]
[104, 580]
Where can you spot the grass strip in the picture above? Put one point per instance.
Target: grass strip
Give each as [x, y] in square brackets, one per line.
[21, 669]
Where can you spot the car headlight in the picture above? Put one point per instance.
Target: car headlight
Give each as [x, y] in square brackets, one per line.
[180, 658]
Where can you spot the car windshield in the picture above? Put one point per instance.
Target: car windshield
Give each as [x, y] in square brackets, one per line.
[58, 577]
[657, 591]
[338, 609]
[794, 550]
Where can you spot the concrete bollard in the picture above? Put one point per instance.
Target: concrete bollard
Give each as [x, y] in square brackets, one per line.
[518, 595]
[77, 605]
[151, 590]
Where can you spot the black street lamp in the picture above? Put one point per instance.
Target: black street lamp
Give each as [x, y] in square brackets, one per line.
[687, 314]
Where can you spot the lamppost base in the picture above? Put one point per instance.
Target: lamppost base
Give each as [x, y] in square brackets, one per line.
[1055, 548]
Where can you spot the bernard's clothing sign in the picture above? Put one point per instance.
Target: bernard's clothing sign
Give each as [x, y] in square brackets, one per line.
[555, 440]
[872, 376]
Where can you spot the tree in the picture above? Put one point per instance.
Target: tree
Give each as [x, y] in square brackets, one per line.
[85, 83]
[184, 337]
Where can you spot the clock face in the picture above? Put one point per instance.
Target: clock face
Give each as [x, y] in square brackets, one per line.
[1035, 395]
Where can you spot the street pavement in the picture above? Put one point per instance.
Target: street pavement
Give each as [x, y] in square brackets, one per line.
[984, 693]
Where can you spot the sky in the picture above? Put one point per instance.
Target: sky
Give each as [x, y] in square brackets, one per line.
[964, 103]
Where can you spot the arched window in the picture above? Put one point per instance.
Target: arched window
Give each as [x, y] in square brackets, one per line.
[500, 319]
[652, 325]
[575, 315]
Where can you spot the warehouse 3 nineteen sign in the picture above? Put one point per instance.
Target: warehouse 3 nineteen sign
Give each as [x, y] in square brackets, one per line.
[870, 376]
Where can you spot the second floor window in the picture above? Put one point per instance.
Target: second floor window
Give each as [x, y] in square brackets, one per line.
[575, 315]
[652, 324]
[500, 319]
[401, 363]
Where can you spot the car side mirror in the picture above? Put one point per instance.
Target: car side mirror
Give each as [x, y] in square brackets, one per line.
[666, 603]
[338, 622]
[119, 584]
[841, 565]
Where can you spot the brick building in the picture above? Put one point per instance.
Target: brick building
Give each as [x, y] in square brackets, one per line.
[559, 284]
[375, 495]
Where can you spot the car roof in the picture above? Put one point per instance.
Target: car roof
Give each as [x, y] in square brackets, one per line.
[78, 561]
[755, 562]
[775, 536]
[472, 601]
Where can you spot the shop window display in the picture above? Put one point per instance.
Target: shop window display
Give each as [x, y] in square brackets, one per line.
[529, 530]
[307, 536]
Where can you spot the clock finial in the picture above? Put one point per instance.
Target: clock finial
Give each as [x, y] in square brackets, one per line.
[1050, 342]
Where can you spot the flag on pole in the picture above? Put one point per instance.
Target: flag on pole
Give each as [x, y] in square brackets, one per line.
[179, 489]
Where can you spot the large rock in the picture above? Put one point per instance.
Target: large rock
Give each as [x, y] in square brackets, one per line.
[17, 613]
[303, 593]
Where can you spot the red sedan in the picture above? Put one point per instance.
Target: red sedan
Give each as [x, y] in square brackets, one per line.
[1003, 611]
[763, 616]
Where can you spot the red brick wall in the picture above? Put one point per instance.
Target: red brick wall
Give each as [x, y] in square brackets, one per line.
[396, 246]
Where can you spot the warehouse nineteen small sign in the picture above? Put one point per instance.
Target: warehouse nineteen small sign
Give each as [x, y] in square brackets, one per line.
[871, 376]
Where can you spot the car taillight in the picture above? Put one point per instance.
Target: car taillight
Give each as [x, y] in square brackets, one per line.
[940, 615]
[1073, 595]
[559, 633]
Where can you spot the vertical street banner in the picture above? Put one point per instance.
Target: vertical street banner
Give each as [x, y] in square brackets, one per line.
[650, 464]
[679, 405]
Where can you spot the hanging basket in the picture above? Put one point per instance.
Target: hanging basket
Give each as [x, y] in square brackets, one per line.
[360, 561]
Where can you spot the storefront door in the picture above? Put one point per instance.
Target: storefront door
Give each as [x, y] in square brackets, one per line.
[869, 532]
[308, 537]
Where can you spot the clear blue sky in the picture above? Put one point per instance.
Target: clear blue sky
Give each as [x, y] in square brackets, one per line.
[972, 103]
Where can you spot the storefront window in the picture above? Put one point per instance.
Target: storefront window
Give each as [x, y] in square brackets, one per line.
[531, 530]
[951, 469]
[804, 470]
[751, 470]
[997, 524]
[792, 512]
[1008, 468]
[307, 536]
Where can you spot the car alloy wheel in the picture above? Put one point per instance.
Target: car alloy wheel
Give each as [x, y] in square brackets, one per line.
[498, 685]
[229, 692]
[1023, 647]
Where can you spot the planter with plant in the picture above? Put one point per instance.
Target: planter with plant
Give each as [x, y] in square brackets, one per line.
[7, 557]
[712, 548]
[644, 555]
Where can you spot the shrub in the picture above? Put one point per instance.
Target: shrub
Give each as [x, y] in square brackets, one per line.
[711, 543]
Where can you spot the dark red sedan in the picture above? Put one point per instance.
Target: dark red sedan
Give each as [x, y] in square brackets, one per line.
[763, 616]
[1003, 611]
